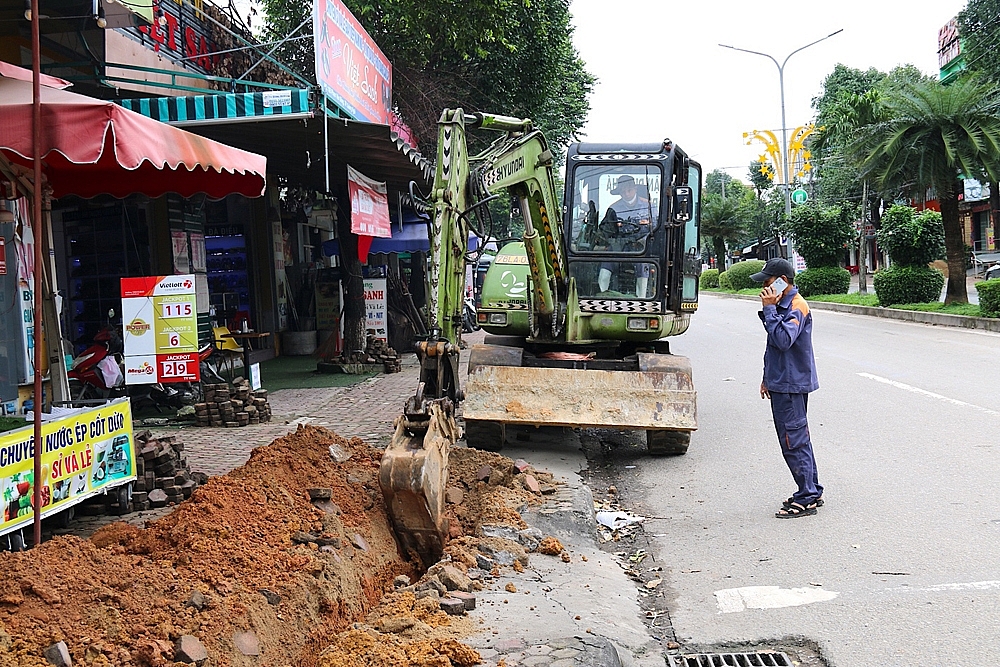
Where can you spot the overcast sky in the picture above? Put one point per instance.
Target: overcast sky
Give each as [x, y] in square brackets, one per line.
[662, 74]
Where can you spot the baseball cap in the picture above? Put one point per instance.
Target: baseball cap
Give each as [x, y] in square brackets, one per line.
[776, 266]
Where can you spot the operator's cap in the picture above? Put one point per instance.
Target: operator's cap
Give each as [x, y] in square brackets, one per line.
[776, 266]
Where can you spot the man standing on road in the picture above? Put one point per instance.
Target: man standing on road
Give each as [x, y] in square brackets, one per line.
[789, 376]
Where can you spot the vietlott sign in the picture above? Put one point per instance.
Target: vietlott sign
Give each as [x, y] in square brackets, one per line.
[83, 454]
[160, 319]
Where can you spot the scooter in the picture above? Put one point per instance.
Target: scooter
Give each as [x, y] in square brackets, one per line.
[469, 321]
[993, 271]
[99, 373]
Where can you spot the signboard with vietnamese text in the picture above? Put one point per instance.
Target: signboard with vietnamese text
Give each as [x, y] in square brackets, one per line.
[376, 322]
[949, 45]
[180, 32]
[369, 205]
[83, 454]
[160, 322]
[350, 68]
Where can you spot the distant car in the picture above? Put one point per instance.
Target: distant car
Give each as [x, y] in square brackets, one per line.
[993, 272]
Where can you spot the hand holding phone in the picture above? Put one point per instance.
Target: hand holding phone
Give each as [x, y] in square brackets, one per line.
[779, 285]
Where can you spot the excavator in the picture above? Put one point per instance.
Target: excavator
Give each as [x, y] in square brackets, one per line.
[578, 310]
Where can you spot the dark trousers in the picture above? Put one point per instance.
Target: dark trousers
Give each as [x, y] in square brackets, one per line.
[789, 412]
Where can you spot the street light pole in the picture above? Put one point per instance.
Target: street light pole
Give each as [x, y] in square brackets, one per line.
[784, 126]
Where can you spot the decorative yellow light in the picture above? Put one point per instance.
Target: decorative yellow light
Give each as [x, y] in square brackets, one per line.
[773, 164]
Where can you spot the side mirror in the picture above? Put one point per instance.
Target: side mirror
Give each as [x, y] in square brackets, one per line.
[683, 203]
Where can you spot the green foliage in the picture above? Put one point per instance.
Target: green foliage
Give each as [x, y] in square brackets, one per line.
[724, 281]
[931, 134]
[720, 221]
[709, 279]
[505, 56]
[758, 179]
[854, 298]
[823, 280]
[908, 284]
[739, 274]
[980, 31]
[820, 233]
[989, 297]
[911, 240]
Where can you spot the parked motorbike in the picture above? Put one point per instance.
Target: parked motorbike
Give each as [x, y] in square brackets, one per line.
[99, 373]
[993, 271]
[469, 321]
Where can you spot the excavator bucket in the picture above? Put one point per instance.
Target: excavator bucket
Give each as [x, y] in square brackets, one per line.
[413, 475]
[653, 392]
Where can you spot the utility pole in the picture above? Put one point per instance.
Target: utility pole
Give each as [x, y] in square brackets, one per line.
[784, 127]
[863, 241]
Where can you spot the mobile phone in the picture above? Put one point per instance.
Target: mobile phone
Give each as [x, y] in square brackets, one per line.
[779, 285]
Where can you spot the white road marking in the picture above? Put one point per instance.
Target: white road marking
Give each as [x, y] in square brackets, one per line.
[929, 394]
[970, 586]
[731, 600]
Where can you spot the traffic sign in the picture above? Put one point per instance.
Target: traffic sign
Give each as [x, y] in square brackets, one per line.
[800, 196]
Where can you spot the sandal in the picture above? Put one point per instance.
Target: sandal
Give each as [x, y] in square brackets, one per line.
[795, 510]
[788, 503]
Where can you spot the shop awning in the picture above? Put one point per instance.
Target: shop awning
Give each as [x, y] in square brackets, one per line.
[92, 147]
[411, 238]
[292, 136]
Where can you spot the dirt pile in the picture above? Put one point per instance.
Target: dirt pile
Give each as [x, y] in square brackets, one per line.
[248, 553]
[284, 561]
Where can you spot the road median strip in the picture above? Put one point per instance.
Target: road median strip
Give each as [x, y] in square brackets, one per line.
[938, 319]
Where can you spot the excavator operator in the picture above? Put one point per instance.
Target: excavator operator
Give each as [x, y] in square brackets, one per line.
[626, 224]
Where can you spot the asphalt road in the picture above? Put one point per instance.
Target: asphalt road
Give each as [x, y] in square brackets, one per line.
[902, 565]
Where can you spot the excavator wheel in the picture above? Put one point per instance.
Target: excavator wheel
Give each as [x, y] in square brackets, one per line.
[485, 435]
[667, 443]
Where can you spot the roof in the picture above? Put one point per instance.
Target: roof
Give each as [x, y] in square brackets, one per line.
[291, 136]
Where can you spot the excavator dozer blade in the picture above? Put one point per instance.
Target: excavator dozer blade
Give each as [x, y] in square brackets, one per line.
[658, 394]
[413, 475]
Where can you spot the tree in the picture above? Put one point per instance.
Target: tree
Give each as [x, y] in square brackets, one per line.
[932, 134]
[820, 233]
[505, 56]
[720, 222]
[758, 179]
[979, 26]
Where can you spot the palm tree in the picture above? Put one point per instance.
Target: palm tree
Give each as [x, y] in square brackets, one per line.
[720, 221]
[847, 117]
[931, 136]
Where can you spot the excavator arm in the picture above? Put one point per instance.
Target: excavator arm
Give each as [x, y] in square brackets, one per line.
[414, 468]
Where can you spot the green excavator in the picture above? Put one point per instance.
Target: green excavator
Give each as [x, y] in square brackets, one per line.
[578, 310]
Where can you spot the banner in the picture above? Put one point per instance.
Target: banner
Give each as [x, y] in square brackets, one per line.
[376, 322]
[369, 205]
[81, 455]
[160, 319]
[350, 68]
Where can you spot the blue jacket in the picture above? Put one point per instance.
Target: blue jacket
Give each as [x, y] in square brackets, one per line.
[789, 366]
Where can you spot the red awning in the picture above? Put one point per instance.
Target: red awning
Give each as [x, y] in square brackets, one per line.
[92, 147]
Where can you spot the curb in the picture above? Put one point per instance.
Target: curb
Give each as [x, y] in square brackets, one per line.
[937, 319]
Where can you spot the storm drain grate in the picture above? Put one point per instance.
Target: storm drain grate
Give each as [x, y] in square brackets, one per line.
[730, 659]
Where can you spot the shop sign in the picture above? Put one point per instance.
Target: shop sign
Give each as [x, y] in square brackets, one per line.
[184, 36]
[350, 68]
[82, 454]
[949, 44]
[3, 256]
[375, 309]
[369, 205]
[160, 319]
[179, 242]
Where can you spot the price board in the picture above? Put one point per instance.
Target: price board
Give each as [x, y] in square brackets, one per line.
[160, 322]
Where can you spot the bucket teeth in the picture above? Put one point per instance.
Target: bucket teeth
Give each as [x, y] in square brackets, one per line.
[413, 475]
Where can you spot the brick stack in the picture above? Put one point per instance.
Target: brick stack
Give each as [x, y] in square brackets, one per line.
[234, 406]
[162, 471]
[378, 351]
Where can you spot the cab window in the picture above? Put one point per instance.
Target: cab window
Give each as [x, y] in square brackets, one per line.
[615, 208]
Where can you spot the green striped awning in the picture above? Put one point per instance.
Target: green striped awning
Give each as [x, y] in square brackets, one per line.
[199, 109]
